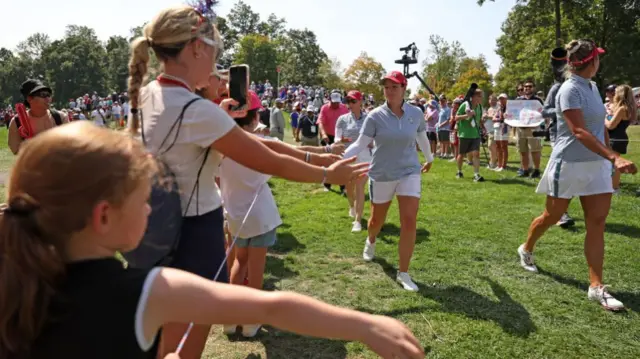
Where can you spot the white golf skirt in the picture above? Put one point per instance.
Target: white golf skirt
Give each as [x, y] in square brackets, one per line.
[576, 179]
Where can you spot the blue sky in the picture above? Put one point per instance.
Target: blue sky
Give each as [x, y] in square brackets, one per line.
[344, 27]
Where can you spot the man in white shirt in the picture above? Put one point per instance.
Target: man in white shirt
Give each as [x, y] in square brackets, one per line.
[97, 116]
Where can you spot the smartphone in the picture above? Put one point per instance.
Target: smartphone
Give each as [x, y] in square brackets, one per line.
[239, 85]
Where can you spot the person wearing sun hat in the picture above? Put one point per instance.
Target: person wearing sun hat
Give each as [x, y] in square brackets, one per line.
[580, 165]
[37, 99]
[395, 170]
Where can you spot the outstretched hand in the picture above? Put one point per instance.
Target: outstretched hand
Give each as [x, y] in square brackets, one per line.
[337, 148]
[325, 159]
[344, 171]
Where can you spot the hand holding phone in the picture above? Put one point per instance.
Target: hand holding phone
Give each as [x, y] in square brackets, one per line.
[239, 86]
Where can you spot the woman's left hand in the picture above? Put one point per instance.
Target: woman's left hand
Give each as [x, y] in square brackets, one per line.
[226, 105]
[325, 159]
[426, 167]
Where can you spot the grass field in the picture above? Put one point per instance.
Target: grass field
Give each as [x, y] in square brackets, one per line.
[474, 300]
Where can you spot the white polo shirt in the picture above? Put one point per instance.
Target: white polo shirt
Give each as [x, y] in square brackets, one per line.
[203, 124]
[239, 186]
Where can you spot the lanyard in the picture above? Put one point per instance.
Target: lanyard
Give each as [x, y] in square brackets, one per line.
[172, 80]
[313, 123]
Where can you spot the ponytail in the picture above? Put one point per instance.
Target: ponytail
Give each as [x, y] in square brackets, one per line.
[138, 67]
[30, 268]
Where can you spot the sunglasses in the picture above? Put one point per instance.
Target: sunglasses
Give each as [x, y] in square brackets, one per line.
[42, 94]
[528, 86]
[352, 101]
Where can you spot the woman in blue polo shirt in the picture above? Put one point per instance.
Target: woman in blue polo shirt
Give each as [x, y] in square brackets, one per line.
[395, 169]
[348, 128]
[580, 166]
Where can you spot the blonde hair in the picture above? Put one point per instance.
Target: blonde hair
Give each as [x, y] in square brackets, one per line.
[58, 178]
[578, 50]
[623, 98]
[167, 34]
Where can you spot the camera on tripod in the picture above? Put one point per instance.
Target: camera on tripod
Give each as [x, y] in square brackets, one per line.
[408, 59]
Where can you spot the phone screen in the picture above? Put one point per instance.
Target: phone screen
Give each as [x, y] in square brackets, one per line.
[238, 84]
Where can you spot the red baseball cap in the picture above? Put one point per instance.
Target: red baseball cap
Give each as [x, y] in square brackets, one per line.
[395, 76]
[254, 101]
[354, 94]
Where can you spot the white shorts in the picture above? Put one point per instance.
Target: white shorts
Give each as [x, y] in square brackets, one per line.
[575, 179]
[383, 192]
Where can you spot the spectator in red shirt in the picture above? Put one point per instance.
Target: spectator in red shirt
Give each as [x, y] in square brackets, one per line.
[329, 114]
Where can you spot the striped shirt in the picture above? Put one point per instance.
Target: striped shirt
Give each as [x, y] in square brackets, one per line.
[349, 127]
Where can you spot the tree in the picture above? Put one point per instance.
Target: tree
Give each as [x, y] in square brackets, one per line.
[242, 21]
[76, 64]
[117, 63]
[364, 75]
[472, 70]
[273, 28]
[527, 42]
[261, 55]
[441, 68]
[300, 57]
[330, 73]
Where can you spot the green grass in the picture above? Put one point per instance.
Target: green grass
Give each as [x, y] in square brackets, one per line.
[474, 300]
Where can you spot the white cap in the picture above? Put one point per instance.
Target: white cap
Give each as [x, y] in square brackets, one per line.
[336, 97]
[503, 95]
[311, 109]
[265, 103]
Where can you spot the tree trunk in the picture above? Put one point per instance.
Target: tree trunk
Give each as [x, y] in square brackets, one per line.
[558, 23]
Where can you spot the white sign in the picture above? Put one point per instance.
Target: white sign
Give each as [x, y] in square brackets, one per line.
[523, 113]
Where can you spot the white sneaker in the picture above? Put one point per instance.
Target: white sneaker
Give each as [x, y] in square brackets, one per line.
[369, 250]
[229, 329]
[601, 294]
[527, 260]
[405, 280]
[352, 212]
[499, 169]
[357, 227]
[250, 330]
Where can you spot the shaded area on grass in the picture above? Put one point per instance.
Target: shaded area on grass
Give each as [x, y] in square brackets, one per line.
[276, 270]
[629, 299]
[506, 312]
[393, 230]
[626, 230]
[279, 344]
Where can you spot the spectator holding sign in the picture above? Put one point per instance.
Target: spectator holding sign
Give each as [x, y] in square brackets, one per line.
[527, 144]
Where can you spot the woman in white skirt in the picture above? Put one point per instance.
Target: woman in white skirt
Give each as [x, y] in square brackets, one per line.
[347, 130]
[580, 166]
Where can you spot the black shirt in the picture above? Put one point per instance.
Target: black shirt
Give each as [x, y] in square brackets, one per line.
[305, 124]
[265, 117]
[93, 314]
